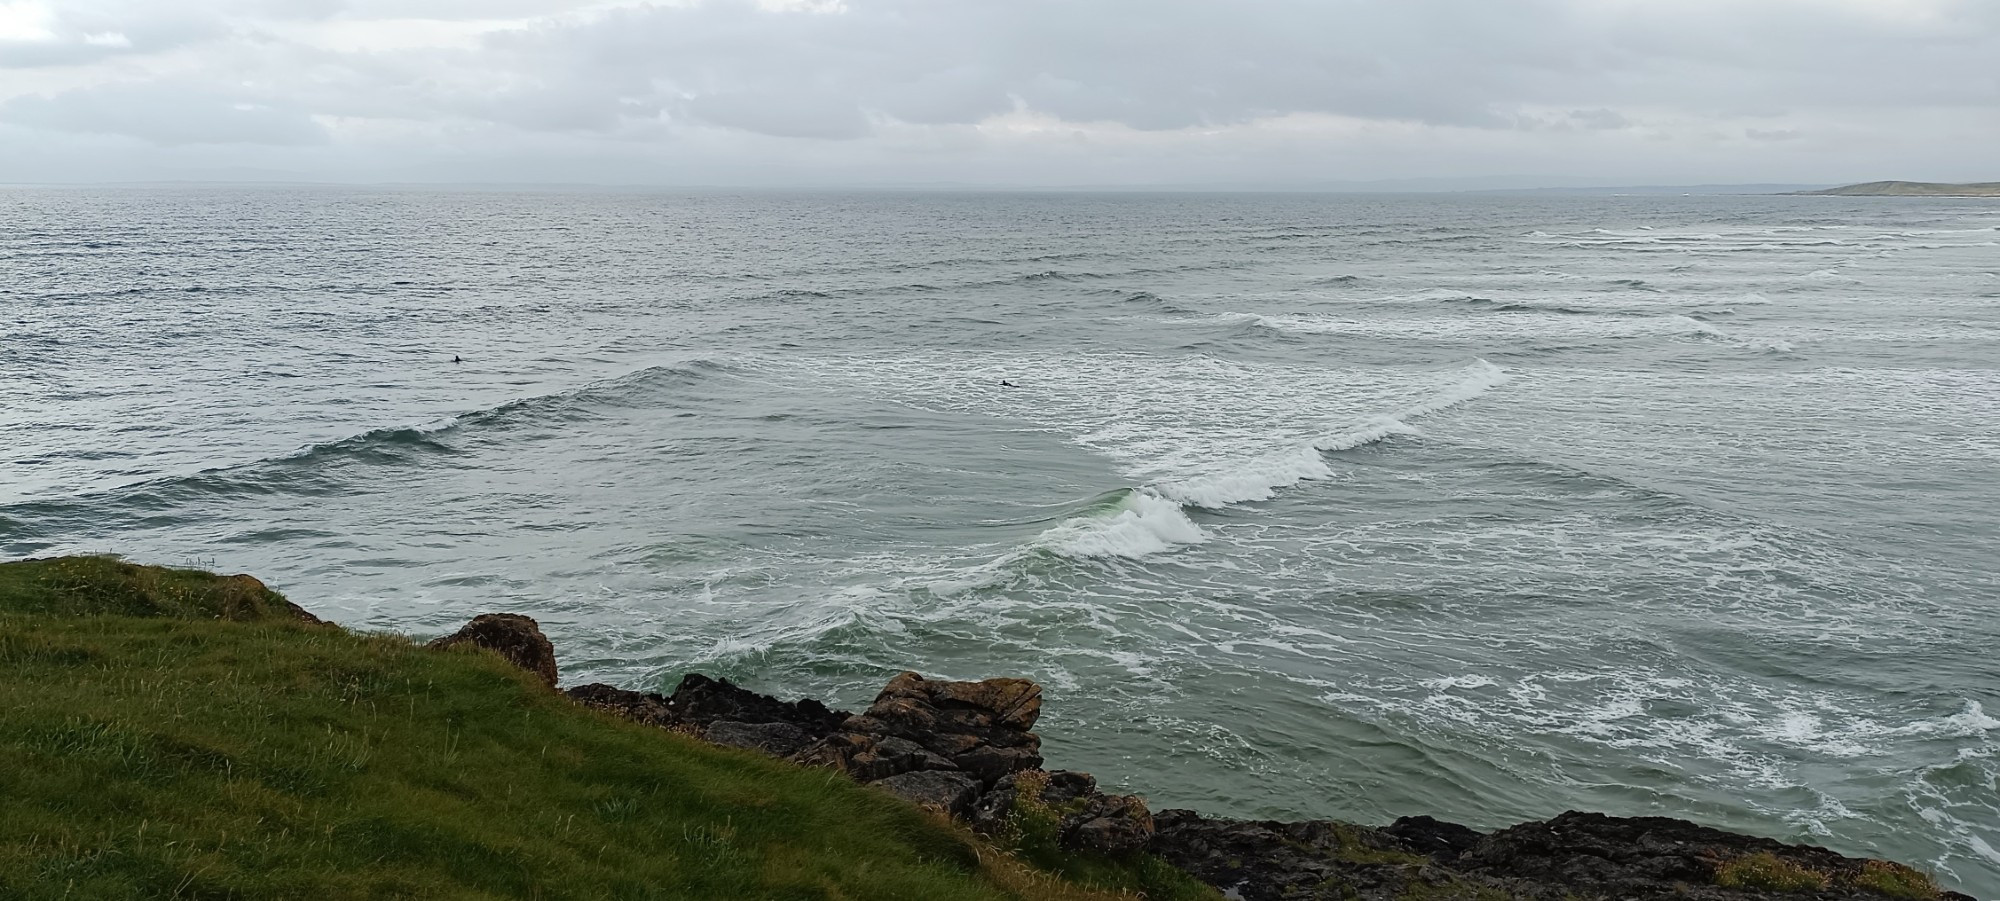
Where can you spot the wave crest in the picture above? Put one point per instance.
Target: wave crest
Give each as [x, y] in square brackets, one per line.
[1153, 519]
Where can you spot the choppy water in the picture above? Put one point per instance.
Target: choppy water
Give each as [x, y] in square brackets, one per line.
[1302, 506]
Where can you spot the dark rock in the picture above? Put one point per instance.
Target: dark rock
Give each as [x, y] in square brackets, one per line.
[951, 792]
[1575, 855]
[699, 701]
[1657, 857]
[978, 727]
[1065, 786]
[990, 814]
[1108, 824]
[639, 707]
[513, 636]
[990, 763]
[1256, 861]
[866, 758]
[1437, 839]
[775, 739]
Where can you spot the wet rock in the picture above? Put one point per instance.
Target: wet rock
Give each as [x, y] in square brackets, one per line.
[945, 790]
[699, 701]
[775, 739]
[640, 707]
[513, 636]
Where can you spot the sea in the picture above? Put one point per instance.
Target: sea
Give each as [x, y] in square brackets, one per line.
[1485, 507]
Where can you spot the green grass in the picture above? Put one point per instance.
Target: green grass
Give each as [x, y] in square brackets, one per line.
[1897, 881]
[173, 734]
[1032, 835]
[1764, 871]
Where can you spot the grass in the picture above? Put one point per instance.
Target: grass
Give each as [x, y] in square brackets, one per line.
[1897, 881]
[1032, 835]
[175, 734]
[1768, 872]
[1764, 871]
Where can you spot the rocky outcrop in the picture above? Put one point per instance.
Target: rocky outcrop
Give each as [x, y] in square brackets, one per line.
[977, 728]
[968, 749]
[947, 790]
[1575, 855]
[721, 712]
[645, 708]
[702, 702]
[1657, 857]
[775, 739]
[515, 637]
[1089, 819]
[957, 747]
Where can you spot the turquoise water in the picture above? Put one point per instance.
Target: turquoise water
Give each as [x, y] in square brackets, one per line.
[1481, 507]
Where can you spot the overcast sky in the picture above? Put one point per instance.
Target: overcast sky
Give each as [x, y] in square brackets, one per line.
[1000, 92]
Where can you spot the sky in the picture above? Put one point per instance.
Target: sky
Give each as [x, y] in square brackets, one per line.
[1001, 93]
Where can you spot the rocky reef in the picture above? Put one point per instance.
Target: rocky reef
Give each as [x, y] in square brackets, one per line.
[968, 749]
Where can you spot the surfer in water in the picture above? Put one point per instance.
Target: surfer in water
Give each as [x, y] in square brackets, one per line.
[1007, 384]
[455, 359]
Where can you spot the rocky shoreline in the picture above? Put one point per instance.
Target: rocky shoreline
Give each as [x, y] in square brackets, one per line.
[968, 749]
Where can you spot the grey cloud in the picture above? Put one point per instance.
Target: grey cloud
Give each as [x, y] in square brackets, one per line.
[883, 83]
[1152, 65]
[165, 115]
[786, 114]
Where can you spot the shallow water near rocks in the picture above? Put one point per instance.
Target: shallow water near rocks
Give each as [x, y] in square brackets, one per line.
[1316, 506]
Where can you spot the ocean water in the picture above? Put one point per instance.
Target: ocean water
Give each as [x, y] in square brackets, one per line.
[1299, 506]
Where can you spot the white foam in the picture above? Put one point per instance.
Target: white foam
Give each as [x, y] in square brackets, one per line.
[1256, 480]
[1153, 519]
[1145, 524]
[1261, 478]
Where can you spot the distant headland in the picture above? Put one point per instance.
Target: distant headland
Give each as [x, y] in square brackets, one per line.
[1911, 189]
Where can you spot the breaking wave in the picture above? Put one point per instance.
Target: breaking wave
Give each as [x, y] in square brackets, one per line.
[1154, 518]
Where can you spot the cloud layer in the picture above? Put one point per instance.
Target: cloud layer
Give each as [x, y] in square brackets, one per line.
[1018, 93]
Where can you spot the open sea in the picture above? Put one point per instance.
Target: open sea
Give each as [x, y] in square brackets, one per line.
[1484, 507]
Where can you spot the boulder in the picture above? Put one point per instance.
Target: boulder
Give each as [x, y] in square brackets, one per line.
[944, 790]
[775, 739]
[513, 636]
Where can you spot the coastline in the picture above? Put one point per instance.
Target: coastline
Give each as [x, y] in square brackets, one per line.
[963, 750]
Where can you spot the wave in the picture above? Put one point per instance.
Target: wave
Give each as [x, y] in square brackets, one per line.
[1141, 524]
[1153, 519]
[314, 469]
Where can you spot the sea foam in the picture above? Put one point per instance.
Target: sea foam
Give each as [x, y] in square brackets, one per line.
[1154, 518]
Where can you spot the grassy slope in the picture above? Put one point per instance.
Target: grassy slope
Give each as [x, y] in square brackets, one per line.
[175, 734]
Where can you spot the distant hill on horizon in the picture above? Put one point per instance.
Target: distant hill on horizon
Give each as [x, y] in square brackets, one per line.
[1912, 189]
